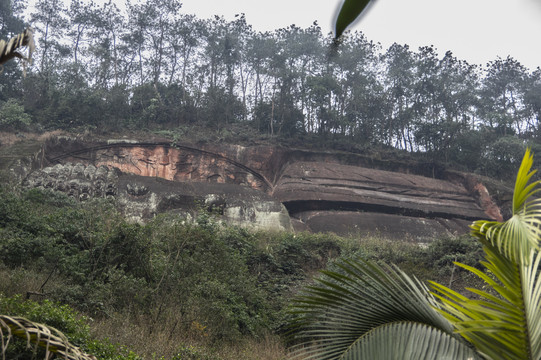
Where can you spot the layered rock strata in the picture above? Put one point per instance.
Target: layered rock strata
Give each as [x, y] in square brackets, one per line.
[322, 191]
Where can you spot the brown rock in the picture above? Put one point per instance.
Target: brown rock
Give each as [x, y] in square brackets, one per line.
[322, 191]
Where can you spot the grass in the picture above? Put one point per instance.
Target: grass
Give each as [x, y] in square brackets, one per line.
[167, 341]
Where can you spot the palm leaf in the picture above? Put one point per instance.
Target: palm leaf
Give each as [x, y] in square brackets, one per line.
[10, 49]
[52, 340]
[505, 321]
[350, 10]
[409, 341]
[519, 235]
[505, 324]
[349, 304]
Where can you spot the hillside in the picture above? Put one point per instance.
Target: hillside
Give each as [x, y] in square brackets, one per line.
[114, 243]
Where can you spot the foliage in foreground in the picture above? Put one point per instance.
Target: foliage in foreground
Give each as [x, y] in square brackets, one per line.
[205, 282]
[66, 335]
[350, 10]
[10, 49]
[371, 311]
[49, 339]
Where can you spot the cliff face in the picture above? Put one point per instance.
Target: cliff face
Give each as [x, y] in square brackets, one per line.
[273, 187]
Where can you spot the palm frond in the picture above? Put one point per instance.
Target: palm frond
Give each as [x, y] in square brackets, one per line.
[504, 325]
[11, 49]
[409, 341]
[519, 235]
[349, 303]
[52, 340]
[505, 321]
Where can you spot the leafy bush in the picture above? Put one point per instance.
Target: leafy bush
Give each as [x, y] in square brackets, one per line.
[61, 317]
[106, 350]
[12, 115]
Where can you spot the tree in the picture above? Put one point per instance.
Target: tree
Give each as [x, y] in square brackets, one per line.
[399, 84]
[371, 311]
[502, 94]
[50, 23]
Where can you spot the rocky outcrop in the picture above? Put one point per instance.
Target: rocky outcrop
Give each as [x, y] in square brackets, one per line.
[271, 187]
[142, 197]
[317, 186]
[352, 199]
[79, 181]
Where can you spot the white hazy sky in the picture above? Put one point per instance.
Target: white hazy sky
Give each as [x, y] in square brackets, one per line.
[474, 30]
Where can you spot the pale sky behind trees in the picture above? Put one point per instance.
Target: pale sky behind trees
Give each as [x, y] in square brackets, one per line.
[474, 30]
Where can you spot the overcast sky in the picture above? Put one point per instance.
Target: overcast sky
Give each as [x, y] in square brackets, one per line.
[474, 30]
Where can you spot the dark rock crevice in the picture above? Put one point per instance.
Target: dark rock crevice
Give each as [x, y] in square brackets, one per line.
[297, 208]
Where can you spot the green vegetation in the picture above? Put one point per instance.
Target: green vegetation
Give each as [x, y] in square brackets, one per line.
[166, 288]
[369, 311]
[12, 115]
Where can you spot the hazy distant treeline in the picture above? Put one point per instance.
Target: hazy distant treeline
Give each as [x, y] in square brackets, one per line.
[151, 65]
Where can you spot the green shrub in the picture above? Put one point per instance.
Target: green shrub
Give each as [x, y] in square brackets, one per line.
[61, 317]
[106, 350]
[12, 115]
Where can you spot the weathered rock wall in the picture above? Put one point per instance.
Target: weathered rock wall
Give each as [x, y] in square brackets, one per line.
[359, 188]
[322, 191]
[143, 197]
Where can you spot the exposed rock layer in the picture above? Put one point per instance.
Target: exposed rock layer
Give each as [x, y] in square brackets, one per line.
[141, 197]
[322, 191]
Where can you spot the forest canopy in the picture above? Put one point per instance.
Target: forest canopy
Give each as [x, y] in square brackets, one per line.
[152, 66]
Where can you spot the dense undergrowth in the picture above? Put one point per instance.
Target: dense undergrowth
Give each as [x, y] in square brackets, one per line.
[170, 289]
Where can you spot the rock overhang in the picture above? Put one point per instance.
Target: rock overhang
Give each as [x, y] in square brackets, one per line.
[250, 185]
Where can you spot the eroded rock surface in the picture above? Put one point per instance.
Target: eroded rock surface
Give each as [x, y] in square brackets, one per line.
[355, 188]
[271, 187]
[141, 198]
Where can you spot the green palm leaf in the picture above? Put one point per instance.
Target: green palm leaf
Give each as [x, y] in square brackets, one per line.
[519, 235]
[505, 324]
[409, 341]
[505, 321]
[351, 303]
[350, 10]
